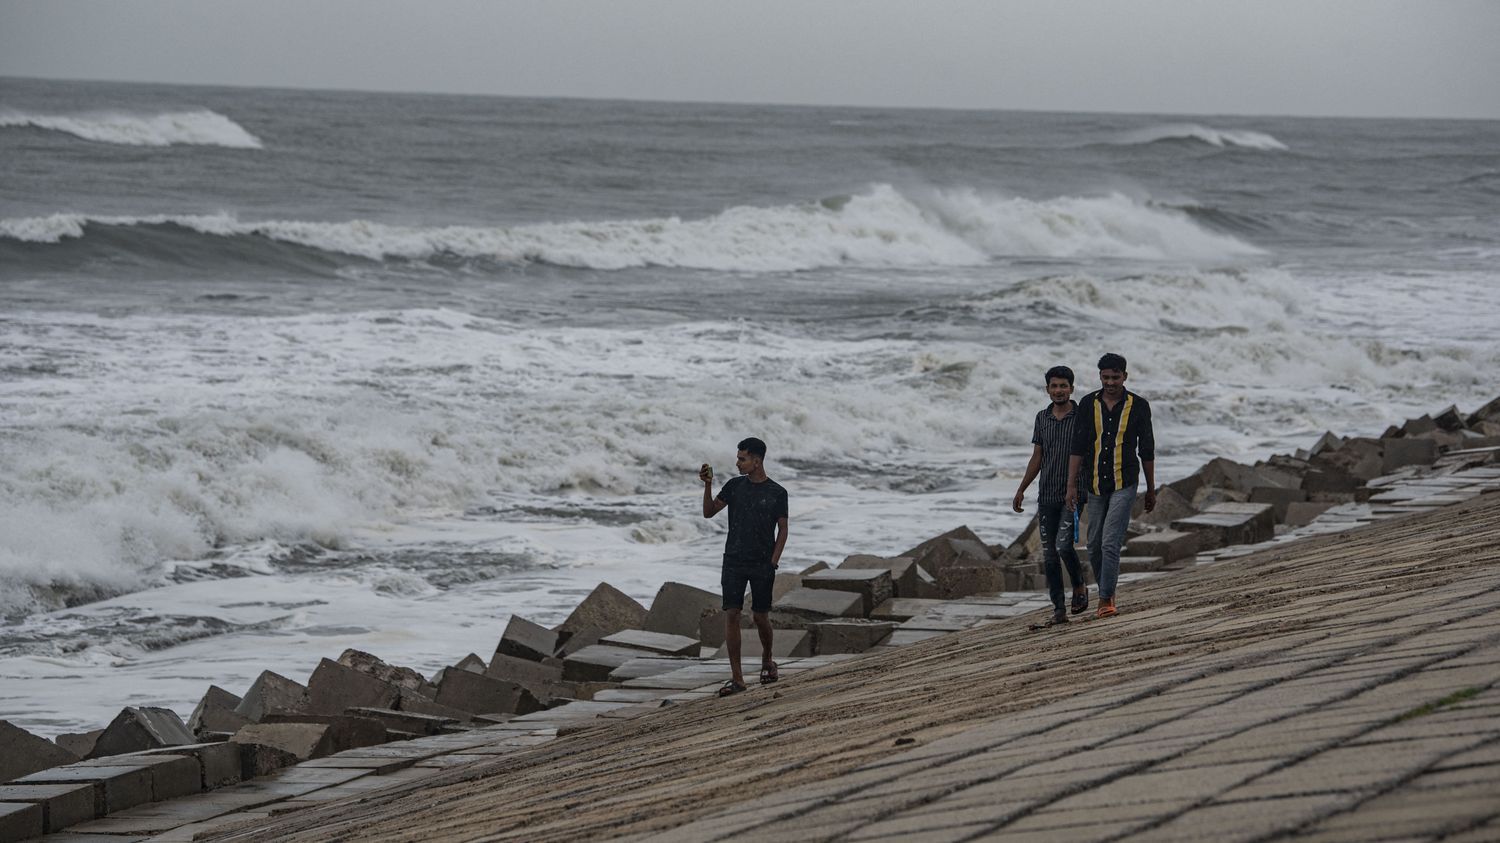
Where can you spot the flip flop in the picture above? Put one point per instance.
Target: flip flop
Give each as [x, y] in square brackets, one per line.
[1080, 601]
[769, 674]
[731, 687]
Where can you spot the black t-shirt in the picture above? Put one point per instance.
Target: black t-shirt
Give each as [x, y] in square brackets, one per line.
[754, 509]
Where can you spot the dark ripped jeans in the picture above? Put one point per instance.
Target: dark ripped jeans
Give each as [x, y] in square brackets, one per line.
[1056, 524]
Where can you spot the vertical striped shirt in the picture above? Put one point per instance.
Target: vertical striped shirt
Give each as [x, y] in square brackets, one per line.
[1109, 439]
[1056, 439]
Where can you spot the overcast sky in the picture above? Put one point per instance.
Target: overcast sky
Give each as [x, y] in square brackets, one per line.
[1433, 58]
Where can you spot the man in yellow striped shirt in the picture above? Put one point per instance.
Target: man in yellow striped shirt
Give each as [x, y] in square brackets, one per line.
[1113, 444]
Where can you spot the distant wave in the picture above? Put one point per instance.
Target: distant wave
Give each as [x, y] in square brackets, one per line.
[200, 128]
[1203, 134]
[882, 227]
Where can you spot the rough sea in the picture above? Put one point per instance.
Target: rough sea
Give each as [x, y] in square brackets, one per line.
[285, 372]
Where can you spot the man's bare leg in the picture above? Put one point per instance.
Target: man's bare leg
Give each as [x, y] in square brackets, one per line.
[763, 626]
[732, 641]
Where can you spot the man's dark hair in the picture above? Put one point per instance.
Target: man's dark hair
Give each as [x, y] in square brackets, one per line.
[1060, 372]
[1112, 361]
[753, 446]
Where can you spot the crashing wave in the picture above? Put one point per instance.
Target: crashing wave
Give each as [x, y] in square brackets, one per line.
[1204, 134]
[197, 128]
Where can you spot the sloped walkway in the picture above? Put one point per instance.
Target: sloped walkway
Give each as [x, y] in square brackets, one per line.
[1338, 688]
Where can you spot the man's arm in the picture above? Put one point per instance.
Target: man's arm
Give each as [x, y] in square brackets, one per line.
[1083, 441]
[780, 541]
[1147, 450]
[1075, 462]
[1032, 469]
[711, 504]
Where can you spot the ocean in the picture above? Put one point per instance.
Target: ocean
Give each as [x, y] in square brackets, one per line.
[285, 372]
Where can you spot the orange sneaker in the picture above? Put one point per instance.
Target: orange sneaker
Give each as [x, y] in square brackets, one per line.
[1106, 608]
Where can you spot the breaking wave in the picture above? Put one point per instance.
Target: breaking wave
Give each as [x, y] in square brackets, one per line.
[198, 128]
[1194, 132]
[883, 227]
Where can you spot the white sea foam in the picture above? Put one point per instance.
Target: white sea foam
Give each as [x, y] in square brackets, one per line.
[883, 227]
[1215, 137]
[198, 128]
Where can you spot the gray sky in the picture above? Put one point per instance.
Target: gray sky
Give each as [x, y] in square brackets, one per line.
[1434, 58]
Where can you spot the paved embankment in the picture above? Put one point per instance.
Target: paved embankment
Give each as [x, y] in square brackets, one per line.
[1342, 687]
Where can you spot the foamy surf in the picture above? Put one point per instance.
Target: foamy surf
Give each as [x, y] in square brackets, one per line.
[1241, 138]
[197, 128]
[881, 228]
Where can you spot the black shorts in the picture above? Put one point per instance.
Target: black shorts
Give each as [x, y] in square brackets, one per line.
[760, 581]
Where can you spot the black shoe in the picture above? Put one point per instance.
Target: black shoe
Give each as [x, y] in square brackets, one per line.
[1080, 600]
[1058, 616]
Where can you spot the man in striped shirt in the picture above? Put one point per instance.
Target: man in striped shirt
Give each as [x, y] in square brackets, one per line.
[1114, 425]
[1052, 445]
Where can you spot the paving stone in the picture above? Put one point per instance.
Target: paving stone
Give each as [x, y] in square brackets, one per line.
[873, 585]
[902, 608]
[62, 804]
[652, 642]
[605, 610]
[1140, 564]
[595, 662]
[22, 752]
[678, 609]
[1171, 545]
[115, 788]
[848, 635]
[785, 644]
[272, 692]
[902, 637]
[645, 666]
[807, 605]
[218, 762]
[1302, 513]
[20, 820]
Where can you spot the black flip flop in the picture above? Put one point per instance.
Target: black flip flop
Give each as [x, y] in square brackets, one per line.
[731, 687]
[1080, 602]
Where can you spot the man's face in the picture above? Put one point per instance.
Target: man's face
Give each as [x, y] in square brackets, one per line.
[1059, 390]
[746, 462]
[1113, 381]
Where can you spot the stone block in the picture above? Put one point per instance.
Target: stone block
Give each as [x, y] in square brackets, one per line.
[808, 605]
[605, 610]
[21, 752]
[902, 608]
[1279, 497]
[1228, 474]
[1329, 480]
[304, 741]
[966, 580]
[21, 821]
[785, 644]
[873, 585]
[173, 774]
[62, 804]
[405, 721]
[524, 671]
[420, 704]
[1301, 514]
[1228, 524]
[480, 694]
[1141, 564]
[1329, 441]
[523, 639]
[848, 636]
[218, 762]
[677, 609]
[346, 731]
[785, 581]
[334, 688]
[1207, 496]
[1171, 545]
[260, 760]
[216, 712]
[1169, 507]
[938, 551]
[1403, 452]
[905, 572]
[661, 643]
[1360, 457]
[927, 585]
[596, 662]
[79, 744]
[1418, 426]
[373, 666]
[135, 729]
[1489, 412]
[115, 788]
[272, 692]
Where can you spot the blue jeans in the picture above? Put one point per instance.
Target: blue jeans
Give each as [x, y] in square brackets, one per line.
[1055, 521]
[1109, 515]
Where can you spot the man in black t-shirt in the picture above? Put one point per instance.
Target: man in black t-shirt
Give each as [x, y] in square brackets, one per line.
[757, 534]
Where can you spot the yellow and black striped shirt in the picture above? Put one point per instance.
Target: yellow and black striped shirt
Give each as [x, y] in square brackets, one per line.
[1109, 441]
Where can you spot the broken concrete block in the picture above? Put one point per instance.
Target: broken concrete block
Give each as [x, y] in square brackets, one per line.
[1169, 507]
[366, 663]
[115, 788]
[524, 671]
[405, 721]
[806, 605]
[523, 639]
[905, 572]
[605, 610]
[62, 804]
[1228, 524]
[420, 704]
[272, 692]
[848, 635]
[938, 551]
[1228, 474]
[1329, 441]
[135, 729]
[345, 731]
[652, 642]
[218, 762]
[1279, 497]
[472, 663]
[21, 752]
[480, 694]
[596, 662]
[1171, 545]
[785, 644]
[1418, 426]
[1404, 452]
[80, 744]
[1300, 514]
[21, 821]
[873, 585]
[216, 712]
[304, 741]
[260, 760]
[967, 580]
[1360, 457]
[677, 609]
[334, 687]
[785, 581]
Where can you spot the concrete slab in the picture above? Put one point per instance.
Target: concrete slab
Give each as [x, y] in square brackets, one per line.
[523, 639]
[902, 608]
[62, 804]
[808, 605]
[20, 821]
[661, 643]
[21, 752]
[115, 788]
[677, 609]
[873, 585]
